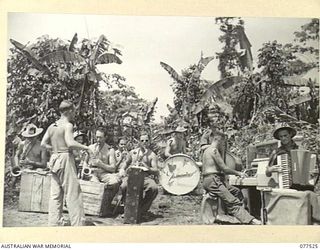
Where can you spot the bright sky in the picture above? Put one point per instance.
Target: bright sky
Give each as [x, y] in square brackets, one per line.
[147, 40]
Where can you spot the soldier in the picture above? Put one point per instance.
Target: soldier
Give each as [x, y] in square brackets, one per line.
[214, 171]
[30, 154]
[64, 181]
[177, 144]
[103, 164]
[145, 157]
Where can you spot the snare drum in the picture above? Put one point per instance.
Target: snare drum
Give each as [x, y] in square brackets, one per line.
[180, 174]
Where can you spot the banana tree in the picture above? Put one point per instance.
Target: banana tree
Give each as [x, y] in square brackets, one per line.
[187, 86]
[40, 75]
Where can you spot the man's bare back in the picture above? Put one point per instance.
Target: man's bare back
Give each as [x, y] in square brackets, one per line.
[56, 133]
[59, 137]
[210, 166]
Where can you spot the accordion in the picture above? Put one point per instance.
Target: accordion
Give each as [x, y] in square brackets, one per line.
[295, 168]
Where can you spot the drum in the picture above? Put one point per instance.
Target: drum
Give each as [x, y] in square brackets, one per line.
[179, 174]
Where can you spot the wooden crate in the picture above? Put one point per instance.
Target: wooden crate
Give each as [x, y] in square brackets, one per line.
[94, 196]
[34, 191]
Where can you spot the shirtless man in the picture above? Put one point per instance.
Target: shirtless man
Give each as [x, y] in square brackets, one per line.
[214, 171]
[145, 157]
[177, 144]
[103, 164]
[121, 156]
[64, 182]
[29, 153]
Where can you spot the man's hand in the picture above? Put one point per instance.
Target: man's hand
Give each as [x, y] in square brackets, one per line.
[242, 175]
[25, 162]
[275, 168]
[96, 162]
[90, 151]
[122, 173]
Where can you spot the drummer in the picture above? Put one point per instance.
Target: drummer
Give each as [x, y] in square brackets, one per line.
[176, 144]
[143, 155]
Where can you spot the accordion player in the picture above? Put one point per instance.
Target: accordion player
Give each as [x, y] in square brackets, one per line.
[291, 163]
[295, 169]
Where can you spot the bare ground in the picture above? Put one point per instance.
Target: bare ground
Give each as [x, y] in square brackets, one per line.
[166, 210]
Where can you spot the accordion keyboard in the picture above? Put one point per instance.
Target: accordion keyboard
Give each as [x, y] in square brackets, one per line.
[285, 177]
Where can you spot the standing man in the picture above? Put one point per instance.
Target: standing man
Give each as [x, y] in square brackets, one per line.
[64, 182]
[103, 164]
[214, 171]
[177, 144]
[144, 157]
[285, 135]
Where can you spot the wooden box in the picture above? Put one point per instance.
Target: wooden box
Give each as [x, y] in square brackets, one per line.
[94, 196]
[286, 207]
[132, 211]
[34, 191]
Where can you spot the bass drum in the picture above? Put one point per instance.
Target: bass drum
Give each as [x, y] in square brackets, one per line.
[179, 174]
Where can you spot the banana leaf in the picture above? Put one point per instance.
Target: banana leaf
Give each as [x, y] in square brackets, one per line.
[62, 56]
[172, 72]
[107, 58]
[73, 42]
[216, 92]
[101, 47]
[28, 54]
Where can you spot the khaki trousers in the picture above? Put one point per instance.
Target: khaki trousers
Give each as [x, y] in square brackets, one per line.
[64, 184]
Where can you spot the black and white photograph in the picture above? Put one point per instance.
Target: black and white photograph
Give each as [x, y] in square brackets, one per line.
[117, 120]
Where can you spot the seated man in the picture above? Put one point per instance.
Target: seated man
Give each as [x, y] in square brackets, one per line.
[177, 144]
[103, 165]
[285, 135]
[30, 154]
[121, 156]
[214, 171]
[80, 155]
[145, 157]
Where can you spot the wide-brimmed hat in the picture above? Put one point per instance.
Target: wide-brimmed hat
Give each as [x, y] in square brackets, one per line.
[166, 131]
[31, 131]
[292, 131]
[180, 129]
[78, 133]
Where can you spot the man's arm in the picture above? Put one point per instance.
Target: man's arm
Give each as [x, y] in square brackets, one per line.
[17, 154]
[272, 168]
[45, 142]
[219, 161]
[109, 166]
[205, 140]
[154, 164]
[70, 141]
[168, 148]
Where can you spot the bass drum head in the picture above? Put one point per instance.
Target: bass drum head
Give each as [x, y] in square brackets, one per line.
[179, 175]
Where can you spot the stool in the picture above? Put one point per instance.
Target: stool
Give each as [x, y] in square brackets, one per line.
[211, 207]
